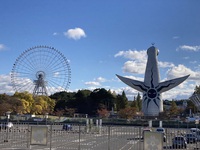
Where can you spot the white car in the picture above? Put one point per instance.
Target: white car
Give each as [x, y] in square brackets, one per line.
[194, 130]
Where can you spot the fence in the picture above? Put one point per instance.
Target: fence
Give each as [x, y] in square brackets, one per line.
[25, 136]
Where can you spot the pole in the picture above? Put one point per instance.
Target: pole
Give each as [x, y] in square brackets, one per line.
[79, 138]
[108, 137]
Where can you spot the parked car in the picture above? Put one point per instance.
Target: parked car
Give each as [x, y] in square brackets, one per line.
[67, 127]
[191, 138]
[194, 130]
[179, 142]
[6, 125]
[162, 130]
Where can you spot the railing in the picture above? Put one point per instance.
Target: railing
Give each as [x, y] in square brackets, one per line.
[25, 136]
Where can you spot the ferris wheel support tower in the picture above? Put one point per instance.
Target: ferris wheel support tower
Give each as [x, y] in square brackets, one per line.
[40, 84]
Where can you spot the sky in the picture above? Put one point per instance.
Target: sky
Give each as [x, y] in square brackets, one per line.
[103, 38]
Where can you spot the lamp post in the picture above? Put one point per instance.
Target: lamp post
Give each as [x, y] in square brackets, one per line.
[8, 117]
[46, 117]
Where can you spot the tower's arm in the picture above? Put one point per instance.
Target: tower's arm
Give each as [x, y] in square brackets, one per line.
[167, 85]
[138, 85]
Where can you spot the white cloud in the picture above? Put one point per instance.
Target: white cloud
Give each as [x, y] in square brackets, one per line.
[75, 33]
[96, 82]
[181, 70]
[2, 47]
[92, 83]
[186, 57]
[137, 62]
[188, 48]
[55, 33]
[5, 86]
[100, 79]
[183, 91]
[165, 64]
[176, 37]
[134, 67]
[133, 55]
[193, 62]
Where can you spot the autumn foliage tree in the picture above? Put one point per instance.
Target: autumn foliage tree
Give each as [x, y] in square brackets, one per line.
[127, 113]
[35, 104]
[173, 111]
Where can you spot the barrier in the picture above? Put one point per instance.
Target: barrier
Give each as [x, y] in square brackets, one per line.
[81, 137]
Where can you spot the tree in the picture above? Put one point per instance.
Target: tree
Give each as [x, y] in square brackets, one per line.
[173, 111]
[81, 101]
[59, 113]
[10, 103]
[127, 113]
[47, 104]
[100, 96]
[197, 89]
[139, 102]
[121, 101]
[4, 107]
[70, 112]
[102, 111]
[134, 104]
[38, 104]
[190, 107]
[63, 96]
[27, 101]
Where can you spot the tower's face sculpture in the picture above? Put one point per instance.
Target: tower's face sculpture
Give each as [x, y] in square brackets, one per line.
[152, 88]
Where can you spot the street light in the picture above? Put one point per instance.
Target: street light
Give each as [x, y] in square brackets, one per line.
[8, 115]
[46, 117]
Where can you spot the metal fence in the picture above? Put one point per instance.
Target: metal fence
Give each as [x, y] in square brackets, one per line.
[25, 136]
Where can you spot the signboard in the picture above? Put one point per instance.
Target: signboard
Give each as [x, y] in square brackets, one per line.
[153, 141]
[39, 135]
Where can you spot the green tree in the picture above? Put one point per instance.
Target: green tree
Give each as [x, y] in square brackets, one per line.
[82, 104]
[101, 96]
[190, 107]
[135, 104]
[197, 89]
[121, 101]
[139, 102]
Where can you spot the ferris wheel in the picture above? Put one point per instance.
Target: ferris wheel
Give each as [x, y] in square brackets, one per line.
[41, 70]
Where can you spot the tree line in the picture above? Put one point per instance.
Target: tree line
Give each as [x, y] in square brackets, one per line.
[99, 102]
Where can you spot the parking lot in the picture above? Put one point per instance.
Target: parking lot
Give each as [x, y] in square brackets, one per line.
[81, 137]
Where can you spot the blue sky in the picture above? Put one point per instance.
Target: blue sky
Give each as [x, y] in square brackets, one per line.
[104, 38]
